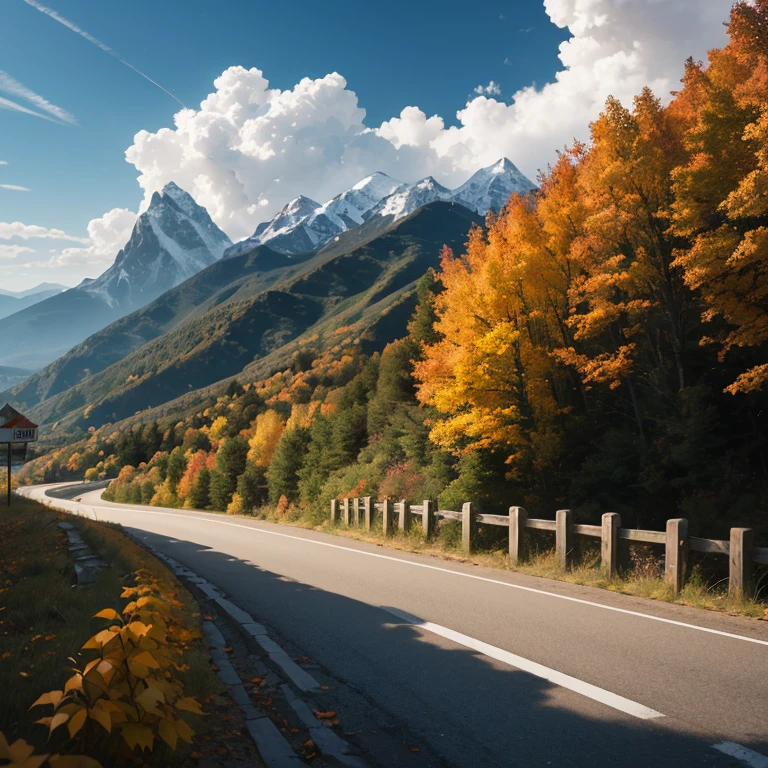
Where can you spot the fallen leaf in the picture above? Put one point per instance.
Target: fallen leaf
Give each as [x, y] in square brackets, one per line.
[325, 715]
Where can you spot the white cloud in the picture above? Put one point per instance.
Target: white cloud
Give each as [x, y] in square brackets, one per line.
[492, 89]
[13, 251]
[249, 149]
[9, 230]
[15, 188]
[13, 87]
[3, 162]
[108, 235]
[26, 266]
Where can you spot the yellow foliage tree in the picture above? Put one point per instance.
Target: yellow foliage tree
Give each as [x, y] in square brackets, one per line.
[269, 429]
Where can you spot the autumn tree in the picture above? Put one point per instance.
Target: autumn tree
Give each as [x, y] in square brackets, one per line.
[721, 196]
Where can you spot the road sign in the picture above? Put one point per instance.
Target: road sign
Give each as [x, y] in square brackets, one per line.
[15, 428]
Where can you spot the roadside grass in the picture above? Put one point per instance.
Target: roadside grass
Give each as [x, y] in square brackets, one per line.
[638, 579]
[45, 618]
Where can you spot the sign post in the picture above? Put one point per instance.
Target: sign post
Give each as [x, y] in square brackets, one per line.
[15, 428]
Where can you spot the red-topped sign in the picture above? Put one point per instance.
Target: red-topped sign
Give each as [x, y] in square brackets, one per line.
[15, 428]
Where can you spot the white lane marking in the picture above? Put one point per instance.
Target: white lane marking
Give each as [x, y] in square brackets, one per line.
[448, 570]
[747, 756]
[531, 667]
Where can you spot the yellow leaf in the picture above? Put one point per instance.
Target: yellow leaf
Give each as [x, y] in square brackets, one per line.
[137, 735]
[147, 659]
[107, 613]
[184, 731]
[52, 697]
[101, 716]
[137, 669]
[73, 761]
[77, 722]
[100, 639]
[138, 628]
[58, 719]
[150, 698]
[168, 733]
[188, 704]
[75, 683]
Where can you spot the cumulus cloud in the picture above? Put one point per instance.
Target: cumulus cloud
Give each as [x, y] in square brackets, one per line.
[25, 266]
[249, 148]
[492, 89]
[107, 235]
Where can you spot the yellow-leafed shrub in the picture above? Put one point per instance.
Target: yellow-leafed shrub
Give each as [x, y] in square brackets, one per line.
[128, 692]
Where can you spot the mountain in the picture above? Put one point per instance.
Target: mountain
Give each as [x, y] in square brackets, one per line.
[10, 377]
[11, 302]
[245, 311]
[408, 198]
[490, 188]
[171, 241]
[304, 225]
[41, 288]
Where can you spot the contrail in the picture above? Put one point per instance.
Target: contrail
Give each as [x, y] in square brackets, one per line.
[14, 188]
[15, 88]
[8, 104]
[91, 39]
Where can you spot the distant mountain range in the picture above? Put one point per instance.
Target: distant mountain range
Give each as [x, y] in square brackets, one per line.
[181, 308]
[15, 301]
[171, 241]
[304, 225]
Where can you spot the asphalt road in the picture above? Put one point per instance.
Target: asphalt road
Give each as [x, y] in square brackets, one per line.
[485, 667]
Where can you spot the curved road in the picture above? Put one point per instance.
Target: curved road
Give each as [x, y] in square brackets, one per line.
[486, 667]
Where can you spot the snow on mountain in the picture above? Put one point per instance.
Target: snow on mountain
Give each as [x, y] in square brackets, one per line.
[408, 198]
[171, 241]
[490, 188]
[351, 206]
[304, 225]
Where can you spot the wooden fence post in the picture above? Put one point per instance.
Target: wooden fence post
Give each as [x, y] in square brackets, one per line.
[334, 511]
[356, 511]
[468, 527]
[676, 556]
[563, 536]
[367, 513]
[345, 511]
[609, 543]
[386, 515]
[742, 543]
[518, 517]
[428, 518]
[404, 520]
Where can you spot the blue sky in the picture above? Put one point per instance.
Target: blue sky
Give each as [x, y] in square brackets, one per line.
[425, 54]
[415, 53]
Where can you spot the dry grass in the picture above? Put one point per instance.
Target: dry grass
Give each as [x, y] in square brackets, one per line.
[639, 580]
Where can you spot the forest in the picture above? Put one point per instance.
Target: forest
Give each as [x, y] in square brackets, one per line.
[600, 345]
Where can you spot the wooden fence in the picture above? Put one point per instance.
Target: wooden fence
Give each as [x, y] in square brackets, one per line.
[740, 549]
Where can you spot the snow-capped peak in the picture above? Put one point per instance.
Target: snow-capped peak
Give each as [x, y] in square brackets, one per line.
[491, 187]
[171, 241]
[409, 197]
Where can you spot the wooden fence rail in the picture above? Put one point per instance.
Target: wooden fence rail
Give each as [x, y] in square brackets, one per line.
[740, 549]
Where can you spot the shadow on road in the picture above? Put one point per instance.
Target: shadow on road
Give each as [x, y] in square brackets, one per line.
[472, 711]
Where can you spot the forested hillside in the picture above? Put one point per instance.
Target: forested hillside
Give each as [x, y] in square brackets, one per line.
[601, 345]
